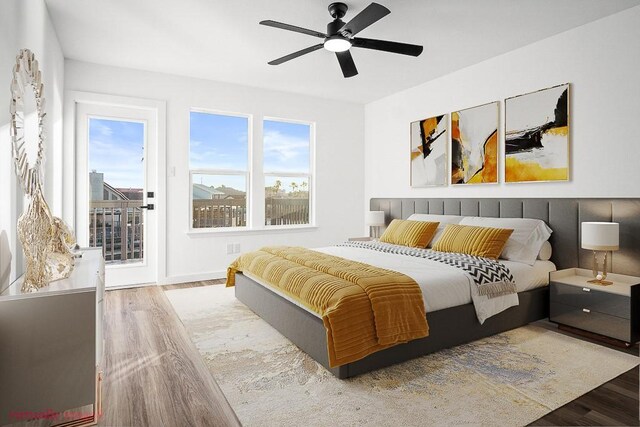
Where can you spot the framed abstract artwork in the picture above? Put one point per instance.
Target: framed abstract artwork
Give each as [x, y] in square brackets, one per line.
[537, 136]
[474, 145]
[429, 152]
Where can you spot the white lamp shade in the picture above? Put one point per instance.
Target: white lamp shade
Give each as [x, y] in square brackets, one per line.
[374, 218]
[601, 236]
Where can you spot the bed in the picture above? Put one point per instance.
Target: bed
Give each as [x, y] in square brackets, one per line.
[451, 315]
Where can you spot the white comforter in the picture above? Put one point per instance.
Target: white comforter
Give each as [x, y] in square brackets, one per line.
[445, 286]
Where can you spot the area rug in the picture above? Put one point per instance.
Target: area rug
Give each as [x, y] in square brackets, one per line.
[509, 379]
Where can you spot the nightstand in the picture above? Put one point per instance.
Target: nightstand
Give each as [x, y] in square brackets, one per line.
[611, 311]
[360, 239]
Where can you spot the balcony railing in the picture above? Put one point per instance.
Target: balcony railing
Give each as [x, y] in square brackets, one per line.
[117, 226]
[214, 213]
[209, 213]
[280, 211]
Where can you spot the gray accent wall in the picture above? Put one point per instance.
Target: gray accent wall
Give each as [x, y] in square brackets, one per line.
[562, 215]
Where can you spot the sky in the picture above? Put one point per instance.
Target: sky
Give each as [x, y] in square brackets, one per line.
[218, 142]
[116, 148]
[286, 146]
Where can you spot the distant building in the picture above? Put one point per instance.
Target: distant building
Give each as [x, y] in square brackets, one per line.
[205, 192]
[132, 193]
[96, 182]
[100, 190]
[231, 193]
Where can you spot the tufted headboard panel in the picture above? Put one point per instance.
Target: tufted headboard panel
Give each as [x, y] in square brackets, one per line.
[562, 215]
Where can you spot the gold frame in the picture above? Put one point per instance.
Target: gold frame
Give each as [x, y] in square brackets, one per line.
[569, 152]
[497, 148]
[447, 118]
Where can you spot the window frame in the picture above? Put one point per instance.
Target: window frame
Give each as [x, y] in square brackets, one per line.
[230, 172]
[310, 175]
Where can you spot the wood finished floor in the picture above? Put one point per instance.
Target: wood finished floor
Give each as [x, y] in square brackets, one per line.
[155, 375]
[613, 403]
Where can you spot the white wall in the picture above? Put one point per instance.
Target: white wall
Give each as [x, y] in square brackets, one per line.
[339, 160]
[26, 24]
[601, 61]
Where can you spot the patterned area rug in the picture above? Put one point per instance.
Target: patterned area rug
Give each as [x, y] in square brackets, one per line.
[509, 379]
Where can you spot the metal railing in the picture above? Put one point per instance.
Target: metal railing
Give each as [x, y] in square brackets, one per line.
[117, 226]
[214, 213]
[280, 211]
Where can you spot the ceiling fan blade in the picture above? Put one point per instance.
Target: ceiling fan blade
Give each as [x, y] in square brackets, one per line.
[393, 47]
[372, 13]
[293, 28]
[295, 54]
[346, 63]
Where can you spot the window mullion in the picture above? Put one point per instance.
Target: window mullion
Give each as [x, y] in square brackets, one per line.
[256, 156]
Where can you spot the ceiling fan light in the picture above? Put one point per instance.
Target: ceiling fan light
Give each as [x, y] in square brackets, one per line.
[337, 44]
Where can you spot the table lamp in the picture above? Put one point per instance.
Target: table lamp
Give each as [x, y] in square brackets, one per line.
[374, 219]
[600, 237]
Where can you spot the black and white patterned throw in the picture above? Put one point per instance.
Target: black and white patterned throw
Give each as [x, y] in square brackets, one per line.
[492, 278]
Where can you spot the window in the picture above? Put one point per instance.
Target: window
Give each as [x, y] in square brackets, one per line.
[218, 158]
[116, 180]
[287, 172]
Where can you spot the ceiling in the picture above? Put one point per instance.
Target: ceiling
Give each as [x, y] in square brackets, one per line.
[221, 40]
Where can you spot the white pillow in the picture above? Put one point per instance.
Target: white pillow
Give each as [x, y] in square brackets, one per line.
[526, 240]
[545, 251]
[442, 219]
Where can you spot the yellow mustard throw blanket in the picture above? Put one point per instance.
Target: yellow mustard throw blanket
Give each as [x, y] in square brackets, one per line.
[364, 308]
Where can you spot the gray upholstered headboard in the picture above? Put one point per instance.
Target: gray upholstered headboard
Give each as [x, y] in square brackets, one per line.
[563, 216]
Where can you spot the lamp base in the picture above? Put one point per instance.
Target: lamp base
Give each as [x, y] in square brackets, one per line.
[600, 282]
[600, 279]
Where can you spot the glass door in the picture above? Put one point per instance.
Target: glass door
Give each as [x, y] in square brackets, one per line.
[115, 197]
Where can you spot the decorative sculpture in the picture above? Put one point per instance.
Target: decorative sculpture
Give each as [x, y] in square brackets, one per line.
[47, 242]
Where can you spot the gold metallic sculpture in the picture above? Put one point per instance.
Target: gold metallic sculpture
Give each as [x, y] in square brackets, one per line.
[47, 242]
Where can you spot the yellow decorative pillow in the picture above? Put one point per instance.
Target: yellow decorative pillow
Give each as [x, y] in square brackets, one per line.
[471, 240]
[416, 234]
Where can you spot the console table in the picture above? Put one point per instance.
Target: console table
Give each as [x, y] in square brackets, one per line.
[51, 347]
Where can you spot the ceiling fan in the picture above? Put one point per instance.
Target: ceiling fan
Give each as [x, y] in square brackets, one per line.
[340, 36]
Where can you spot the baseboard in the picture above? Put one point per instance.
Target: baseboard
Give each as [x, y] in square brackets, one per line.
[173, 280]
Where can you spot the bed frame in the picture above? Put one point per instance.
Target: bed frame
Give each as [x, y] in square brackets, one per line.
[458, 325]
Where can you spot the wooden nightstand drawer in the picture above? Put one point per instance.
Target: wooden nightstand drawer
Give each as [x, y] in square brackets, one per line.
[592, 321]
[592, 299]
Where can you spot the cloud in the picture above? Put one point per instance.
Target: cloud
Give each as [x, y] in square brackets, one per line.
[101, 128]
[118, 154]
[216, 154]
[282, 147]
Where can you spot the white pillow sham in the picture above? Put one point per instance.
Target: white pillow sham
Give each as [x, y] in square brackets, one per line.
[442, 219]
[526, 240]
[545, 251]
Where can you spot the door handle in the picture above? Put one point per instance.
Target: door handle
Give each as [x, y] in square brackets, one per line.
[149, 206]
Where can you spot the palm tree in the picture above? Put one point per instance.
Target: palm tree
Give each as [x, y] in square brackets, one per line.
[293, 186]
